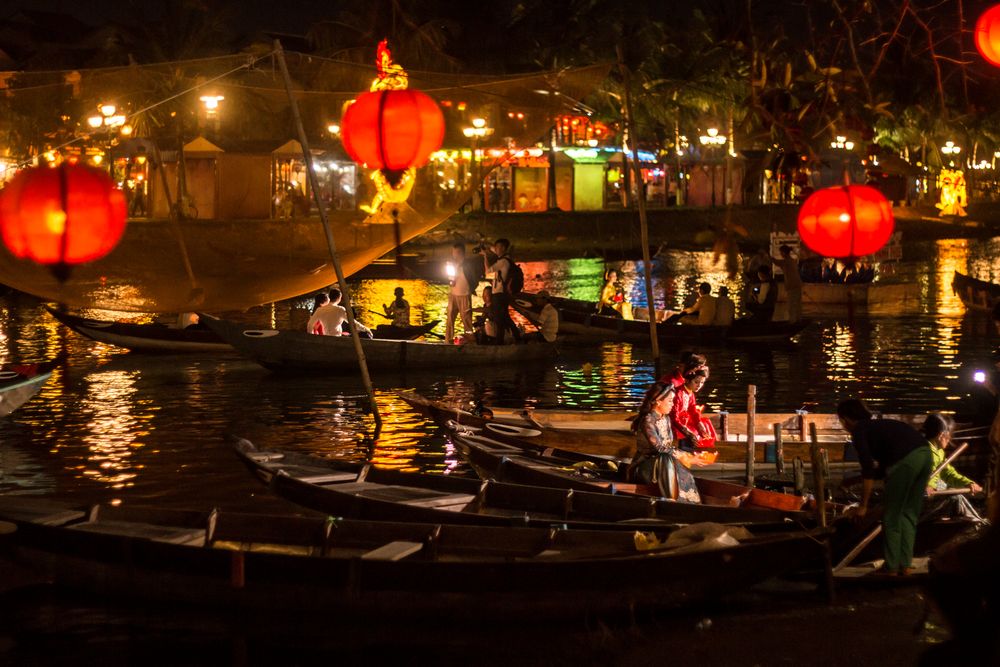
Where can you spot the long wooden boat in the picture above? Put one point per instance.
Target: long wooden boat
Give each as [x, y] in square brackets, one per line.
[152, 337]
[303, 564]
[20, 382]
[577, 318]
[298, 351]
[877, 298]
[609, 434]
[157, 337]
[975, 294]
[361, 491]
[521, 461]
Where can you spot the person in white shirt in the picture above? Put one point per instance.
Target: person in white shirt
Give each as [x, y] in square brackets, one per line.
[725, 309]
[460, 293]
[329, 317]
[548, 319]
[704, 307]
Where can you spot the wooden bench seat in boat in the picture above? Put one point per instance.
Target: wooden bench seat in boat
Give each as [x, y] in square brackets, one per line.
[409, 495]
[146, 531]
[39, 511]
[393, 551]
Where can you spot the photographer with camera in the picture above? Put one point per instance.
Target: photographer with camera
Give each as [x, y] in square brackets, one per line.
[501, 269]
[763, 296]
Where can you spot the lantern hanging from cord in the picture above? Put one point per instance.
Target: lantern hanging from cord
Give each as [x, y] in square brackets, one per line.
[846, 221]
[61, 217]
[987, 35]
[392, 130]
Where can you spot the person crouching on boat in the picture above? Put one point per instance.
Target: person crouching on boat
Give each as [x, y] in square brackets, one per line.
[695, 432]
[689, 361]
[329, 317]
[657, 461]
[897, 452]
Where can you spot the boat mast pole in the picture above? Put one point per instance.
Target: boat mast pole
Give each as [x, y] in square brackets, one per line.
[643, 221]
[330, 242]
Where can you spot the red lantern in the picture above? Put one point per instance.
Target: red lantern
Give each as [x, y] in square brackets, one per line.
[392, 130]
[63, 216]
[846, 221]
[988, 35]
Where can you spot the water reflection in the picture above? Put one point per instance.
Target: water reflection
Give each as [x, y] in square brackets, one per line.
[124, 425]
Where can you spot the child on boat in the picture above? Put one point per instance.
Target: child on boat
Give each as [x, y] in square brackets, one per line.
[695, 432]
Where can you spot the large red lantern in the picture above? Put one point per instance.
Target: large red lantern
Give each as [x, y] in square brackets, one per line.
[988, 35]
[63, 216]
[392, 130]
[846, 221]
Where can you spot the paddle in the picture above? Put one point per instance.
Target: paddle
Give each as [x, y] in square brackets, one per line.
[375, 312]
[877, 530]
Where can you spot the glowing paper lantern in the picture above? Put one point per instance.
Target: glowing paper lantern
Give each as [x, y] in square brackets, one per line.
[63, 216]
[988, 35]
[392, 130]
[846, 221]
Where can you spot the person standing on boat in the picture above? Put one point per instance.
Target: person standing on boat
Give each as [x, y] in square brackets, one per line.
[896, 452]
[695, 432]
[793, 282]
[398, 310]
[763, 296]
[657, 461]
[329, 317]
[463, 285]
[501, 270]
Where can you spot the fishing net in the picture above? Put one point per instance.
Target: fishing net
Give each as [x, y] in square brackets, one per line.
[214, 235]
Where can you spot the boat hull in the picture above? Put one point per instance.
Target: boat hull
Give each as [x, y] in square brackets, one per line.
[301, 352]
[20, 382]
[156, 338]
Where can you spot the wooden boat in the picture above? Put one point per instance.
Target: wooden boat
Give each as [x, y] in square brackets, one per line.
[521, 461]
[577, 318]
[298, 351]
[157, 337]
[877, 297]
[279, 564]
[975, 294]
[609, 434]
[20, 382]
[359, 491]
[152, 337]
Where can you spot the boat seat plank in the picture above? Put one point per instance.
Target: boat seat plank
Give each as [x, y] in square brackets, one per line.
[393, 551]
[147, 531]
[442, 501]
[327, 477]
[41, 512]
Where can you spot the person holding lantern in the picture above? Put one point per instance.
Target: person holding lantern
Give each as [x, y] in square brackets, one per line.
[695, 432]
[463, 278]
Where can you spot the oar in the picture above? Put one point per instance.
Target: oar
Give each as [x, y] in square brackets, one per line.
[375, 312]
[877, 530]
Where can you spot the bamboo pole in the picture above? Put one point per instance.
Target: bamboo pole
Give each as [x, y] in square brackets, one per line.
[751, 421]
[330, 242]
[819, 483]
[647, 261]
[779, 451]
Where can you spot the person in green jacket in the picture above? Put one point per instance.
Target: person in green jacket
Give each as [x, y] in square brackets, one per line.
[937, 430]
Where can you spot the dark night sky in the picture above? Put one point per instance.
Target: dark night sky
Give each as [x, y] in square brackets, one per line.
[292, 16]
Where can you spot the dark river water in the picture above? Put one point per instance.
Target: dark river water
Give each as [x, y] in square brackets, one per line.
[112, 425]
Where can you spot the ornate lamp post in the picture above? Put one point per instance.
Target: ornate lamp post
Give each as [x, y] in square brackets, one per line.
[476, 133]
[712, 140]
[950, 149]
[211, 103]
[108, 119]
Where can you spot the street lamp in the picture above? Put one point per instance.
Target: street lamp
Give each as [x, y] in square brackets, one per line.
[109, 119]
[842, 143]
[211, 103]
[476, 133]
[950, 149]
[712, 140]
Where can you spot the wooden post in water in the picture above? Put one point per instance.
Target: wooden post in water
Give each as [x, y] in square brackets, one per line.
[330, 242]
[751, 420]
[647, 261]
[724, 426]
[779, 451]
[819, 483]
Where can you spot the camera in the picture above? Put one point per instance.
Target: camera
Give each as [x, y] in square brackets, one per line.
[479, 249]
